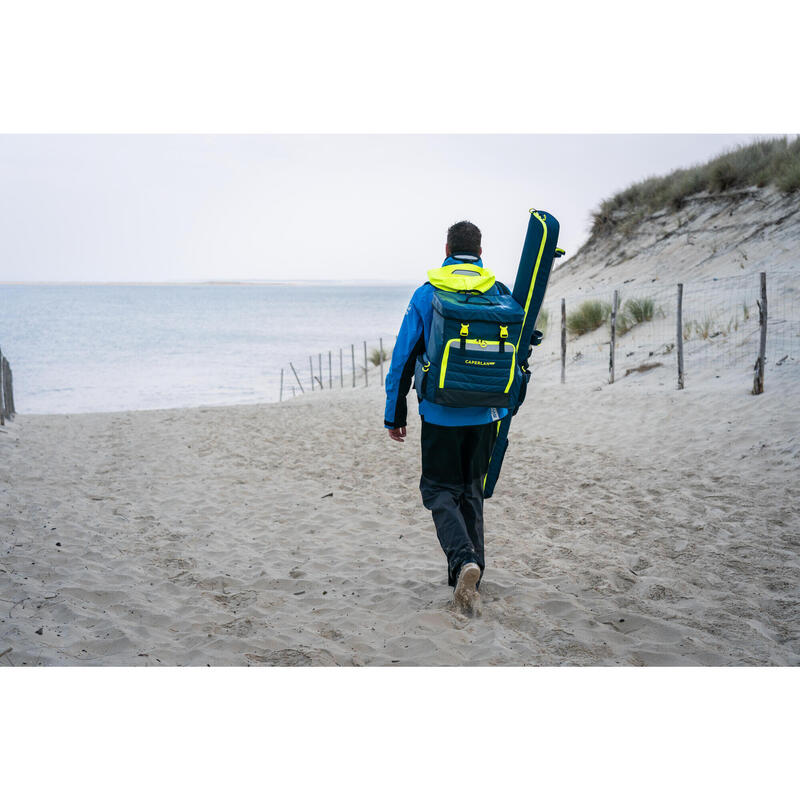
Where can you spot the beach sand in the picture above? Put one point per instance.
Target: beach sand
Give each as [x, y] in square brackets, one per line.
[633, 524]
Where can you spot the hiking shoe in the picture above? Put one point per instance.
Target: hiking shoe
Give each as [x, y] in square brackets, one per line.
[465, 594]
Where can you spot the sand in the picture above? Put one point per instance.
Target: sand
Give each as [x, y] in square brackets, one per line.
[732, 234]
[633, 525]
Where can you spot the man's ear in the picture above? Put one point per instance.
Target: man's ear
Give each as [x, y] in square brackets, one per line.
[480, 251]
[447, 250]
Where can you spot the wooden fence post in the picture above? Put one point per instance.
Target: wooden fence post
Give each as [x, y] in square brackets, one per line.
[613, 343]
[280, 396]
[381, 357]
[366, 379]
[563, 340]
[330, 371]
[2, 390]
[353, 357]
[7, 408]
[679, 336]
[321, 382]
[758, 377]
[297, 377]
[311, 369]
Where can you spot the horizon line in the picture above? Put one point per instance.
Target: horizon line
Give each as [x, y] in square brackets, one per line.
[247, 282]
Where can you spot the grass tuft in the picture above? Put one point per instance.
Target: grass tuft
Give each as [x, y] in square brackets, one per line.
[542, 321]
[633, 312]
[640, 309]
[624, 322]
[704, 327]
[788, 180]
[589, 316]
[375, 356]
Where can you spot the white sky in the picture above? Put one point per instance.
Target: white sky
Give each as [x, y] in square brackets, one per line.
[303, 207]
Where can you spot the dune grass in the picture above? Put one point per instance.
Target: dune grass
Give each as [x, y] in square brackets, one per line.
[542, 321]
[377, 355]
[640, 309]
[700, 328]
[589, 316]
[634, 312]
[767, 162]
[624, 323]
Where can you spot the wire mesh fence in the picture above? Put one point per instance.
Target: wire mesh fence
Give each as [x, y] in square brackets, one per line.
[347, 367]
[720, 329]
[720, 323]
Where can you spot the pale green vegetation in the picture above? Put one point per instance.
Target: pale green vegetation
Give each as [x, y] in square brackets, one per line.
[640, 309]
[768, 162]
[634, 312]
[542, 321]
[589, 316]
[702, 328]
[377, 355]
[710, 326]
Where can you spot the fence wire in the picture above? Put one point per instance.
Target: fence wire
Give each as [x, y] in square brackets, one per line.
[720, 330]
[352, 366]
[720, 323]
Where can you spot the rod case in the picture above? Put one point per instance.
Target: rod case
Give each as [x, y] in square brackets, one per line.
[538, 253]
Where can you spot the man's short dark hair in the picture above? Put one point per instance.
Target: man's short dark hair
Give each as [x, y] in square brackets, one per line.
[464, 238]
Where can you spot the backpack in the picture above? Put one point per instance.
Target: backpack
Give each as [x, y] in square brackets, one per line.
[471, 353]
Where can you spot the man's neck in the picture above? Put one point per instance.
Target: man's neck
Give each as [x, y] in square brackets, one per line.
[463, 258]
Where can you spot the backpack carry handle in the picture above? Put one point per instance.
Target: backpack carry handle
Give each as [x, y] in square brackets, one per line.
[485, 301]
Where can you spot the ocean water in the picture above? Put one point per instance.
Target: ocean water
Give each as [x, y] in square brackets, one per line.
[78, 349]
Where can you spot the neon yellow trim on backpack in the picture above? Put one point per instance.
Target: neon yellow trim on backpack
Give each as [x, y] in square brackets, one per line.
[477, 279]
[480, 343]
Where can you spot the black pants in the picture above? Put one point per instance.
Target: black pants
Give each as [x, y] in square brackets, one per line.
[454, 463]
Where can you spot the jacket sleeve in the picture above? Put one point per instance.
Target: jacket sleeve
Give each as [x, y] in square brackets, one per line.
[410, 343]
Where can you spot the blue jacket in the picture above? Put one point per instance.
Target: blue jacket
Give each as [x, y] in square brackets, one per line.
[411, 340]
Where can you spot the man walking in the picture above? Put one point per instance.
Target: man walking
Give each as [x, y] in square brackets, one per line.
[457, 442]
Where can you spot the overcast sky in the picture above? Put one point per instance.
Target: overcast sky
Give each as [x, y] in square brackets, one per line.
[183, 208]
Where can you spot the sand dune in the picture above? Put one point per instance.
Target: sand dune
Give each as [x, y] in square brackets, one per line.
[634, 524]
[736, 233]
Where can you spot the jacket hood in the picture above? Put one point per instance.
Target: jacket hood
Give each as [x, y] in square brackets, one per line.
[462, 276]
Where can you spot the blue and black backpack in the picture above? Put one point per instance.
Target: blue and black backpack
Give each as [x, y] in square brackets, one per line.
[471, 356]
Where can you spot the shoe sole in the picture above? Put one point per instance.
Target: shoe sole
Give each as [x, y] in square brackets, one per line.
[465, 587]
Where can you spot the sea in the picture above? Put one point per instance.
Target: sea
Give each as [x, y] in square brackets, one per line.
[92, 348]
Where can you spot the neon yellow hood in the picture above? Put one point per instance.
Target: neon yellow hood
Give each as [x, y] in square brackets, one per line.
[472, 278]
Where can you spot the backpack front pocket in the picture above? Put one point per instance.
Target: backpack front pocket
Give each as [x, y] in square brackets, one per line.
[476, 372]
